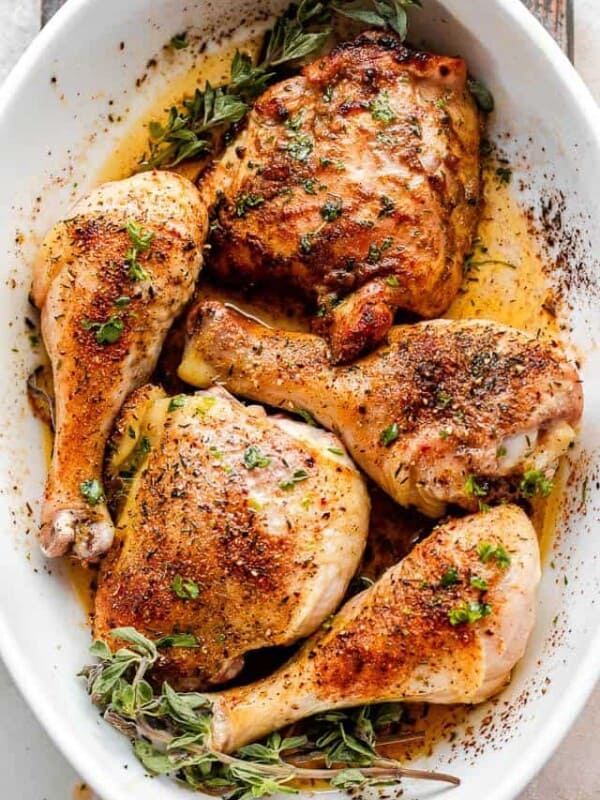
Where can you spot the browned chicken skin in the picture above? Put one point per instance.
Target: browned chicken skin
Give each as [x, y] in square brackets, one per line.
[443, 412]
[105, 314]
[263, 519]
[407, 637]
[357, 181]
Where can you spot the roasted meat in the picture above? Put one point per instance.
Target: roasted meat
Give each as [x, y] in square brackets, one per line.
[240, 529]
[358, 183]
[109, 281]
[463, 412]
[445, 625]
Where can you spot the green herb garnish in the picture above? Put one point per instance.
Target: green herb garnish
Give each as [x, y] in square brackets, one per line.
[468, 613]
[176, 402]
[534, 482]
[185, 588]
[486, 551]
[191, 130]
[380, 13]
[245, 201]
[179, 41]
[449, 578]
[504, 174]
[253, 458]
[387, 206]
[92, 491]
[140, 238]
[171, 731]
[332, 209]
[107, 332]
[297, 477]
[483, 97]
[390, 434]
[473, 488]
[381, 110]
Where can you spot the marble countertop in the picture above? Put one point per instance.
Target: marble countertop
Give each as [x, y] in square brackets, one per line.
[32, 768]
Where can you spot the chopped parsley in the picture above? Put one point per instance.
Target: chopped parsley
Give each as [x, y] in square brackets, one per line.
[176, 402]
[392, 281]
[107, 332]
[381, 110]
[122, 301]
[376, 252]
[479, 583]
[306, 244]
[297, 477]
[306, 416]
[336, 451]
[91, 490]
[253, 458]
[245, 201]
[534, 482]
[487, 551]
[468, 613]
[332, 209]
[504, 175]
[179, 41]
[309, 185]
[141, 241]
[390, 434]
[387, 206]
[185, 588]
[449, 578]
[140, 238]
[300, 147]
[473, 488]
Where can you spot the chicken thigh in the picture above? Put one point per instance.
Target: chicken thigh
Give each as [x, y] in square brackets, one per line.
[357, 182]
[238, 529]
[444, 412]
[109, 281]
[445, 625]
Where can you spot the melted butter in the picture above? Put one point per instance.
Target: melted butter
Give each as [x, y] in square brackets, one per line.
[83, 792]
[83, 582]
[506, 281]
[212, 66]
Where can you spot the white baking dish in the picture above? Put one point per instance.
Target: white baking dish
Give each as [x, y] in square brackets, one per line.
[53, 136]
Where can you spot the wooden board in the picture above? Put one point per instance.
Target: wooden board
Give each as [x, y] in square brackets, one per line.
[556, 15]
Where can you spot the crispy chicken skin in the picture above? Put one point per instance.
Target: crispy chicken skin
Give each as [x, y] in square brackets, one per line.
[443, 412]
[82, 280]
[357, 180]
[396, 641]
[266, 517]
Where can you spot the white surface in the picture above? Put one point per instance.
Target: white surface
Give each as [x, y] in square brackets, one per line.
[33, 770]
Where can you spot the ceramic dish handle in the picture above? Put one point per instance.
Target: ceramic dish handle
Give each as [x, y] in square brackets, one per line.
[556, 15]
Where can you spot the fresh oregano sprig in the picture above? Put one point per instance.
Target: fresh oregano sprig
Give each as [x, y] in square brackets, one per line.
[171, 730]
[379, 13]
[191, 130]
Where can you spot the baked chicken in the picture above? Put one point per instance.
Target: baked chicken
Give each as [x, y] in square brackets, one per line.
[357, 182]
[444, 412]
[109, 281]
[240, 529]
[445, 625]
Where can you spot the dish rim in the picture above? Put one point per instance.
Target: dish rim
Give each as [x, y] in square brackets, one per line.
[587, 673]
